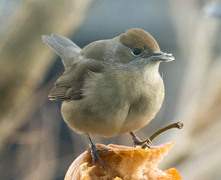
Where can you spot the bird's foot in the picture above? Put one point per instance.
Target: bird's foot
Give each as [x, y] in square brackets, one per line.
[137, 142]
[94, 153]
[148, 142]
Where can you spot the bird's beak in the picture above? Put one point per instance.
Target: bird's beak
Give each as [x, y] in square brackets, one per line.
[160, 56]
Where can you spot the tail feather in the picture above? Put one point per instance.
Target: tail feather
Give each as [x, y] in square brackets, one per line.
[63, 47]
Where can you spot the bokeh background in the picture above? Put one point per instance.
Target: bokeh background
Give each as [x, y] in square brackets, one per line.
[35, 143]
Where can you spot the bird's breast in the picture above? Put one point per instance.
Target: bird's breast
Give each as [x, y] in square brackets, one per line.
[111, 107]
[145, 95]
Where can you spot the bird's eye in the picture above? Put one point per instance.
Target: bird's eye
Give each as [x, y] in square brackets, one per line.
[136, 51]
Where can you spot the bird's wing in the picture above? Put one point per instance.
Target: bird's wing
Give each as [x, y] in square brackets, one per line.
[63, 47]
[69, 85]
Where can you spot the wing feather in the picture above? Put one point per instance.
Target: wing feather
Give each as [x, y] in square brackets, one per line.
[69, 85]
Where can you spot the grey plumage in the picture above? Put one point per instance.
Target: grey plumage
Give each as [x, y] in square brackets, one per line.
[107, 88]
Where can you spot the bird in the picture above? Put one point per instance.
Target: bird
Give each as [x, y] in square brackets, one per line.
[111, 86]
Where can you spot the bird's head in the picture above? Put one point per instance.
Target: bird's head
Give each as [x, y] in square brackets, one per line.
[135, 47]
[138, 45]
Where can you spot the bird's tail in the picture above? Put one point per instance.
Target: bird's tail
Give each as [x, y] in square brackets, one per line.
[63, 47]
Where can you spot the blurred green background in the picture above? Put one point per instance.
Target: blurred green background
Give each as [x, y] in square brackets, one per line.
[35, 143]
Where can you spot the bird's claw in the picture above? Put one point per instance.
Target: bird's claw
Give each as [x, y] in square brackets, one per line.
[137, 142]
[94, 152]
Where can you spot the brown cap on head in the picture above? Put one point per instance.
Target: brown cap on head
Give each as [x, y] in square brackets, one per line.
[138, 38]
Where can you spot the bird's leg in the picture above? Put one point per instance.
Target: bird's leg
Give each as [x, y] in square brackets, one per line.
[138, 142]
[94, 152]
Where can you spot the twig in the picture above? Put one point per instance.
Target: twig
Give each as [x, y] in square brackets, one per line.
[178, 125]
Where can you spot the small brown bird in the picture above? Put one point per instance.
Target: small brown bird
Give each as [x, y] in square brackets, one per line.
[110, 86]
